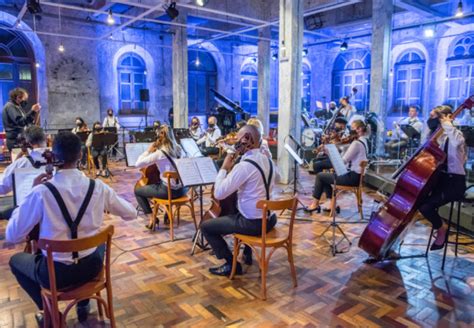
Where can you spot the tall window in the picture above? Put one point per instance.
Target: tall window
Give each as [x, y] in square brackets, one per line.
[249, 88]
[132, 78]
[17, 67]
[306, 88]
[408, 81]
[202, 77]
[460, 70]
[352, 70]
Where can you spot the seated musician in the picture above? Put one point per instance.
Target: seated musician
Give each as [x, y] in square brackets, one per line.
[346, 108]
[451, 183]
[97, 152]
[195, 128]
[41, 207]
[162, 152]
[245, 179]
[81, 126]
[209, 140]
[36, 139]
[399, 138]
[355, 154]
[264, 143]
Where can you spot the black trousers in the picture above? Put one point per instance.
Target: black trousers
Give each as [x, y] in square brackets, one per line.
[321, 163]
[325, 180]
[214, 231]
[99, 152]
[160, 190]
[84, 154]
[11, 143]
[31, 272]
[206, 151]
[449, 188]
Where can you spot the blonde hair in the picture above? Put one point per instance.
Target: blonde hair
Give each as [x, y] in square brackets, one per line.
[166, 142]
[256, 123]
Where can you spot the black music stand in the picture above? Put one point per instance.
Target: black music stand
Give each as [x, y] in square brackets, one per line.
[144, 136]
[83, 136]
[413, 136]
[104, 140]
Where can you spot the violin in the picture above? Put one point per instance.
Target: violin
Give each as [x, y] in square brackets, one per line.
[230, 138]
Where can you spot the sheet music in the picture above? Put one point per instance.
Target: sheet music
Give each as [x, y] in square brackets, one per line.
[319, 104]
[134, 150]
[196, 171]
[190, 147]
[23, 182]
[206, 169]
[294, 154]
[336, 159]
[14, 153]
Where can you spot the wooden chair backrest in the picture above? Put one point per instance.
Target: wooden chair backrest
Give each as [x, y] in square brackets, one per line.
[170, 175]
[363, 166]
[277, 205]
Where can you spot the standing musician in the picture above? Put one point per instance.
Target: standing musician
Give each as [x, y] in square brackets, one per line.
[195, 128]
[356, 153]
[98, 152]
[15, 119]
[210, 137]
[111, 121]
[451, 183]
[253, 179]
[42, 206]
[346, 108]
[400, 138]
[162, 152]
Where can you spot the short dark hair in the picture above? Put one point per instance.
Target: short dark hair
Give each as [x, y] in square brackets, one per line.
[34, 135]
[17, 92]
[340, 120]
[67, 147]
[416, 107]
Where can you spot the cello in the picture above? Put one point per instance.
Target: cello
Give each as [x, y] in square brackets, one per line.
[416, 177]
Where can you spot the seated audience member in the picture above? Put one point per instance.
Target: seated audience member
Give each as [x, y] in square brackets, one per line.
[97, 152]
[41, 207]
[209, 139]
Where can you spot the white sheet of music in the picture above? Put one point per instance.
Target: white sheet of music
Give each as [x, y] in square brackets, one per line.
[190, 147]
[196, 171]
[23, 182]
[134, 150]
[336, 159]
[207, 169]
[294, 154]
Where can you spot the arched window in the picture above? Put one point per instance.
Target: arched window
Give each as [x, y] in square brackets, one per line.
[460, 70]
[249, 88]
[202, 77]
[352, 69]
[306, 87]
[132, 78]
[17, 66]
[408, 81]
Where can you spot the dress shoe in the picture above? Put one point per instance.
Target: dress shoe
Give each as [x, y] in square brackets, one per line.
[316, 209]
[150, 227]
[39, 316]
[248, 258]
[435, 247]
[83, 312]
[226, 269]
[328, 209]
[166, 219]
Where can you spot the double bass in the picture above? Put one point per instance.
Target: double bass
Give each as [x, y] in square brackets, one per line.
[415, 179]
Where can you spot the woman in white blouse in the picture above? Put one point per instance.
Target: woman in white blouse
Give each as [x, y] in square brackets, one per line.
[162, 152]
[355, 154]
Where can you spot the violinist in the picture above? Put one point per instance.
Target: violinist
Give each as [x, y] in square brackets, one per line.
[451, 183]
[346, 108]
[209, 139]
[355, 154]
[162, 152]
[251, 178]
[195, 128]
[98, 151]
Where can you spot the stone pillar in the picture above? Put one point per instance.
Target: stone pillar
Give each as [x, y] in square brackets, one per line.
[264, 61]
[180, 74]
[382, 11]
[289, 98]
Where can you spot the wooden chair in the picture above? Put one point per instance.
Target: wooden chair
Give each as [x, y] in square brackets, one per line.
[169, 203]
[357, 190]
[275, 239]
[90, 162]
[90, 290]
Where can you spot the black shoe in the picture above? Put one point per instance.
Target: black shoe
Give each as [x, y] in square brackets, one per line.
[435, 247]
[311, 210]
[39, 316]
[327, 209]
[248, 258]
[149, 226]
[225, 270]
[166, 219]
[83, 312]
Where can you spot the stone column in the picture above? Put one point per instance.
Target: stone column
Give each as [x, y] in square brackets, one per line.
[180, 74]
[289, 98]
[264, 61]
[382, 11]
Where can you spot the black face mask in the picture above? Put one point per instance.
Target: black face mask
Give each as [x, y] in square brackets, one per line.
[23, 103]
[78, 123]
[111, 114]
[97, 129]
[211, 126]
[433, 123]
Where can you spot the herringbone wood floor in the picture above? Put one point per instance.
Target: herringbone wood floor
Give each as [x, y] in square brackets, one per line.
[157, 283]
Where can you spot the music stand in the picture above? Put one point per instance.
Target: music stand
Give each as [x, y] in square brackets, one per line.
[114, 130]
[83, 136]
[104, 140]
[410, 131]
[144, 136]
[297, 161]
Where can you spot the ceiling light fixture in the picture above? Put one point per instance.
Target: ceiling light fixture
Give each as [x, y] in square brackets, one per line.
[429, 32]
[459, 10]
[344, 46]
[37, 65]
[61, 48]
[110, 18]
[201, 3]
[171, 10]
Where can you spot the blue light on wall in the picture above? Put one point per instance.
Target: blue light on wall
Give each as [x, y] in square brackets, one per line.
[202, 77]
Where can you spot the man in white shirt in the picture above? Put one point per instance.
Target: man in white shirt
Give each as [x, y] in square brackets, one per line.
[252, 178]
[399, 138]
[42, 207]
[36, 138]
[209, 139]
[111, 121]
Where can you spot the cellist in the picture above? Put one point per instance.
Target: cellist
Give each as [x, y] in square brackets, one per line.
[451, 183]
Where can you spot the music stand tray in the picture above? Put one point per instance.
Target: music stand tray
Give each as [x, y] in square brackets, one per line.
[410, 131]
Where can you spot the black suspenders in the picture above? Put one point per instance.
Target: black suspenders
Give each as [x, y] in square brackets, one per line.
[265, 181]
[73, 225]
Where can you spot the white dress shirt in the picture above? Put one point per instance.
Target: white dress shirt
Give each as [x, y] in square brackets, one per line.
[111, 122]
[247, 181]
[41, 207]
[6, 185]
[456, 149]
[355, 154]
[196, 133]
[210, 138]
[347, 112]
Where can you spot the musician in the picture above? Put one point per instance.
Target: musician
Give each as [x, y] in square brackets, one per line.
[245, 179]
[97, 152]
[81, 126]
[451, 183]
[346, 108]
[356, 153]
[400, 139]
[195, 128]
[111, 121]
[209, 139]
[162, 152]
[15, 117]
[264, 143]
[326, 113]
[41, 207]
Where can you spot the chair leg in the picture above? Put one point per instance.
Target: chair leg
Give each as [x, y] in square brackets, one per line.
[359, 203]
[263, 269]
[457, 229]
[169, 210]
[447, 235]
[110, 305]
[156, 208]
[289, 250]
[429, 242]
[99, 306]
[234, 258]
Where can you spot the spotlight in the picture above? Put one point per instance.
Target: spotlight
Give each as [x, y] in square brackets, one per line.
[201, 3]
[171, 10]
[34, 7]
[275, 56]
[110, 18]
[198, 62]
[391, 72]
[459, 11]
[145, 72]
[61, 48]
[344, 46]
[305, 52]
[37, 65]
[429, 32]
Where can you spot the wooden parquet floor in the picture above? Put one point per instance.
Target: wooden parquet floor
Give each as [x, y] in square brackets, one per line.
[157, 283]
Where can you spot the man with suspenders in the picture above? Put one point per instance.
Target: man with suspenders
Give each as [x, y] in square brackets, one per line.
[66, 206]
[252, 178]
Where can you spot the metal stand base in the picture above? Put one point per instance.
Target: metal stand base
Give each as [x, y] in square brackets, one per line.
[333, 243]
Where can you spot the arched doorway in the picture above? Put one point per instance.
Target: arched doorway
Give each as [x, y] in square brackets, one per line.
[202, 77]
